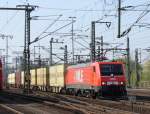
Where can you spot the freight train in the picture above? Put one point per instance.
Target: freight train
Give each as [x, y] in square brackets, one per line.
[89, 79]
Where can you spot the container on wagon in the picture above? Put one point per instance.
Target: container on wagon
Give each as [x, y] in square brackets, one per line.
[56, 75]
[22, 78]
[41, 76]
[11, 79]
[33, 76]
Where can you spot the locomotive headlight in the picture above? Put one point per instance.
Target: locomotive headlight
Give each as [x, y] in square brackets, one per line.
[103, 83]
[121, 83]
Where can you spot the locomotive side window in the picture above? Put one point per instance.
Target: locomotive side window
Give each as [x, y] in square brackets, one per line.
[109, 69]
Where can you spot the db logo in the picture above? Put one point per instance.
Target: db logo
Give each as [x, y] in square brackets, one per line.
[79, 75]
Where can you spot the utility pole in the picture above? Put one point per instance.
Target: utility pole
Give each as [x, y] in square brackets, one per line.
[65, 55]
[6, 59]
[28, 10]
[100, 50]
[102, 53]
[99, 53]
[79, 59]
[16, 63]
[92, 45]
[137, 67]
[1, 52]
[119, 18]
[40, 55]
[72, 32]
[93, 41]
[39, 60]
[34, 55]
[128, 61]
[140, 54]
[51, 50]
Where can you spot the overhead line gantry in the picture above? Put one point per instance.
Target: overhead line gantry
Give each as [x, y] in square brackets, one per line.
[28, 9]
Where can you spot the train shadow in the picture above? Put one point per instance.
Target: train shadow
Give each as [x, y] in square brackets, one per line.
[11, 99]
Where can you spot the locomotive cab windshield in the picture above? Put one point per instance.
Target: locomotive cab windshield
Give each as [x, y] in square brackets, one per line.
[113, 80]
[111, 70]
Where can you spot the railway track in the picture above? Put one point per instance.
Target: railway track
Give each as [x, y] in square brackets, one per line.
[22, 104]
[131, 105]
[70, 103]
[140, 94]
[4, 109]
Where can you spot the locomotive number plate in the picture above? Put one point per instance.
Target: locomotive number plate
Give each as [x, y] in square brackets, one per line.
[110, 83]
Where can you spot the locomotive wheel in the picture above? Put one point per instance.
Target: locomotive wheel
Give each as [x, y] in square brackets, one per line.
[63, 91]
[94, 95]
[79, 93]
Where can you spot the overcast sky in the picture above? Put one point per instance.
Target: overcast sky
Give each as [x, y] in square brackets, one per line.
[85, 11]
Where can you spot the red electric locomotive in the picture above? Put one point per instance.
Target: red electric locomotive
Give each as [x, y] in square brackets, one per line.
[96, 79]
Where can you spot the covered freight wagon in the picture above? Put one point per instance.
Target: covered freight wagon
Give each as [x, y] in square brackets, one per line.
[56, 77]
[22, 79]
[42, 78]
[33, 73]
[33, 77]
[11, 79]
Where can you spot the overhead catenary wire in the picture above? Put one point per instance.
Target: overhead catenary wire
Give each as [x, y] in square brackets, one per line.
[89, 9]
[47, 16]
[8, 21]
[83, 39]
[77, 10]
[144, 13]
[85, 11]
[112, 2]
[39, 38]
[50, 25]
[105, 11]
[82, 45]
[52, 19]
